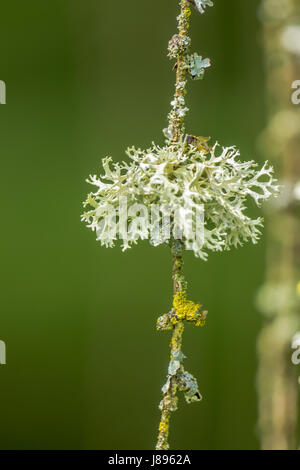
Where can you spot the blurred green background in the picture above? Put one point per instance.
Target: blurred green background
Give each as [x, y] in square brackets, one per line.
[85, 365]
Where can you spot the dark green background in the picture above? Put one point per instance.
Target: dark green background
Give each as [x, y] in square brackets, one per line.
[85, 364]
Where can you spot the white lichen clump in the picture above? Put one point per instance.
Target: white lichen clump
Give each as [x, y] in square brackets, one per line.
[186, 177]
[200, 5]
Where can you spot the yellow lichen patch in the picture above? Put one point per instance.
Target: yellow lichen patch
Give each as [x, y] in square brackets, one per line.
[164, 426]
[185, 309]
[298, 288]
[199, 322]
[187, 12]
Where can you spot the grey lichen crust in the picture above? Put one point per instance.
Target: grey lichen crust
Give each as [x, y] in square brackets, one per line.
[187, 383]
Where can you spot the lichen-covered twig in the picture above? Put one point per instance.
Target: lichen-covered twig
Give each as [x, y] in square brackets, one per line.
[182, 309]
[185, 65]
[177, 379]
[197, 199]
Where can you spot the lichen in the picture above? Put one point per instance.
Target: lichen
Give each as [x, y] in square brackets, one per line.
[187, 310]
[163, 426]
[179, 175]
[200, 5]
[185, 176]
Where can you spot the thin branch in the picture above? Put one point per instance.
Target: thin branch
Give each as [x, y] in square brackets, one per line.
[176, 118]
[182, 308]
[169, 401]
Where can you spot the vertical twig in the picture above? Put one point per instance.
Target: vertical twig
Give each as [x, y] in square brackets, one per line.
[176, 123]
[176, 120]
[169, 401]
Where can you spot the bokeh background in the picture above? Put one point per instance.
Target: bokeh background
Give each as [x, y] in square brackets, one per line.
[85, 365]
